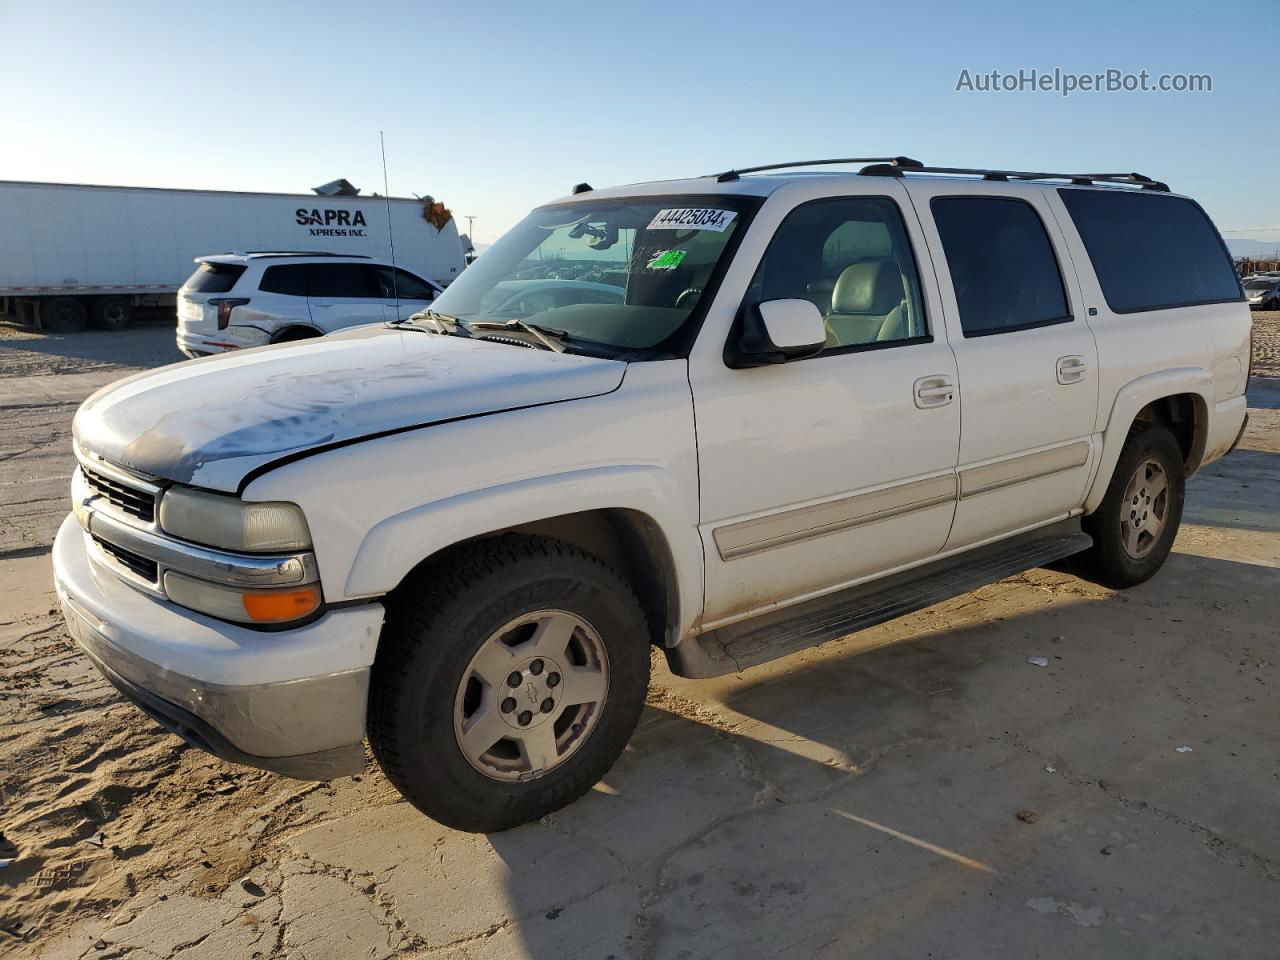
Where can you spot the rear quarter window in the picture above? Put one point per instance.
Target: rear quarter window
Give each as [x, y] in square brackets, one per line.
[1150, 251]
[289, 279]
[213, 278]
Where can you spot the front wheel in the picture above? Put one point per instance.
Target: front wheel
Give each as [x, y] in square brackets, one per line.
[507, 682]
[1134, 527]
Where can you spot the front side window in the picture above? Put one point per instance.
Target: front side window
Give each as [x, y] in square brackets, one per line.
[1151, 251]
[404, 284]
[1003, 268]
[612, 276]
[849, 257]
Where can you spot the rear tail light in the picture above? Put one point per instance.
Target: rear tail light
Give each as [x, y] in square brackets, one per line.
[225, 305]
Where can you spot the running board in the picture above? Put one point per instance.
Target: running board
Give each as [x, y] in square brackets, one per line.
[782, 632]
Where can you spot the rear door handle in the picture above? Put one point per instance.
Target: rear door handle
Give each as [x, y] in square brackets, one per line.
[935, 391]
[1071, 369]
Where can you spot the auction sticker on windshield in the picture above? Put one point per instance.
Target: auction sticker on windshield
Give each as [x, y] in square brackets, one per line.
[693, 218]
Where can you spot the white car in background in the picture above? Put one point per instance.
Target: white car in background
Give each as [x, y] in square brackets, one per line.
[238, 300]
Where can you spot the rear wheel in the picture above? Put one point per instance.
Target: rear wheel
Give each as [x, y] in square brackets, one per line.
[507, 682]
[63, 315]
[112, 313]
[290, 334]
[1134, 528]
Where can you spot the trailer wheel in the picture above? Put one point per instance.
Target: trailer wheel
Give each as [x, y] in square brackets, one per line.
[112, 313]
[63, 315]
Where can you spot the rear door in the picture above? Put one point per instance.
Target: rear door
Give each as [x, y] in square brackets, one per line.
[404, 293]
[345, 295]
[1026, 358]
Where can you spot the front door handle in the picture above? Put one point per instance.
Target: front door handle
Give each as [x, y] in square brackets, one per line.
[1071, 369]
[935, 391]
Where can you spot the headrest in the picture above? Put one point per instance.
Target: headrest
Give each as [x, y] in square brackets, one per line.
[874, 287]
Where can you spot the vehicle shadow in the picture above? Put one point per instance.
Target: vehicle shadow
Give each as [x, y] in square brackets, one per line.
[864, 794]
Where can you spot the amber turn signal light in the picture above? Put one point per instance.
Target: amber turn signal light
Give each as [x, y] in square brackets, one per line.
[280, 605]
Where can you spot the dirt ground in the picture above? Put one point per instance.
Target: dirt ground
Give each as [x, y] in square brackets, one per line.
[917, 790]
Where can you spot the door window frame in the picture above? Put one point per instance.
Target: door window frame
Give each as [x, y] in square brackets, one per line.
[927, 337]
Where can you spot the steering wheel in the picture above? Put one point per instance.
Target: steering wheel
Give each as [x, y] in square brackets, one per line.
[691, 295]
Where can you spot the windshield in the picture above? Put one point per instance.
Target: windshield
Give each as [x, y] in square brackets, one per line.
[611, 276]
[1260, 284]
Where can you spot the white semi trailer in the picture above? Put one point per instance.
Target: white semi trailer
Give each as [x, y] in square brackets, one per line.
[74, 254]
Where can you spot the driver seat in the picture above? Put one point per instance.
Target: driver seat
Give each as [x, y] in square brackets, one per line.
[864, 296]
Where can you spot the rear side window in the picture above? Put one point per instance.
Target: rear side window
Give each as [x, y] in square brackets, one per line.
[1003, 268]
[213, 278]
[1151, 252]
[289, 279]
[346, 280]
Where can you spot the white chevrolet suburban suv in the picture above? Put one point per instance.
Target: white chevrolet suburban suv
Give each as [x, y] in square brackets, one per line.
[238, 300]
[812, 402]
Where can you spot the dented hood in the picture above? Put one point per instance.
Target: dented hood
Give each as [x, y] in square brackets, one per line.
[210, 422]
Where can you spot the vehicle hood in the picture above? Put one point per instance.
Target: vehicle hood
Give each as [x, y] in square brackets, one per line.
[210, 422]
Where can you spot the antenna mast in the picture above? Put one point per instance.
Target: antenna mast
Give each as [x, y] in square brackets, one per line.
[386, 196]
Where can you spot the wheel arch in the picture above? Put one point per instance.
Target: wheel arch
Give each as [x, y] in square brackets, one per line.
[1178, 399]
[295, 331]
[627, 516]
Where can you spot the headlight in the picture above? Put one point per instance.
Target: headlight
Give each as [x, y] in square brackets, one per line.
[241, 605]
[233, 524]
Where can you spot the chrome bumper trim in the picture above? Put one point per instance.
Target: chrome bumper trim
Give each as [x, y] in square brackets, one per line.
[217, 566]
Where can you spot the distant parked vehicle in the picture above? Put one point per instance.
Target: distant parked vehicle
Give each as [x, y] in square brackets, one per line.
[1263, 292]
[238, 300]
[71, 254]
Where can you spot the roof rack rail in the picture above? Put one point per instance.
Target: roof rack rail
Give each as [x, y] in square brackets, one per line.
[893, 169]
[300, 253]
[904, 163]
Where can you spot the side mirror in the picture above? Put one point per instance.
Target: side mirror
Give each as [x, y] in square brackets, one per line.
[775, 331]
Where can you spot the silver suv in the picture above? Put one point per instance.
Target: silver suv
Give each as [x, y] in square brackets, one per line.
[237, 300]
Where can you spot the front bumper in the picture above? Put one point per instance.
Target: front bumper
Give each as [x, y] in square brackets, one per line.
[291, 701]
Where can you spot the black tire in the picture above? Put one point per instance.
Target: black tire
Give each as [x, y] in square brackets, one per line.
[63, 315]
[292, 334]
[1108, 561]
[435, 625]
[112, 313]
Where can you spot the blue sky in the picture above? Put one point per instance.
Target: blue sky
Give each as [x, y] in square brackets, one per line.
[495, 107]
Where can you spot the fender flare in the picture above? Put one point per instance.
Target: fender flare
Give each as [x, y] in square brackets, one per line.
[398, 543]
[1130, 399]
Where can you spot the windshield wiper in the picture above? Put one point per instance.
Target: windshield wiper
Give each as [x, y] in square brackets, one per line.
[551, 338]
[440, 323]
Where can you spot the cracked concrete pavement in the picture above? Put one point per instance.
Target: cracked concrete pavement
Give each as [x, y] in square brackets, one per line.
[918, 789]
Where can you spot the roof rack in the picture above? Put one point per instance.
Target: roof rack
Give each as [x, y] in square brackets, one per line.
[895, 169]
[300, 253]
[901, 163]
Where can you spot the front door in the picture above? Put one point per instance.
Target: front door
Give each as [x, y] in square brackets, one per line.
[403, 293]
[820, 472]
[1027, 359]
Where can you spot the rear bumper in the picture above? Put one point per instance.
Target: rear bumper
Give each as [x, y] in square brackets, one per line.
[249, 697]
[194, 345]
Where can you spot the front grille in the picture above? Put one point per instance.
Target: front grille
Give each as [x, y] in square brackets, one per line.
[135, 502]
[139, 564]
